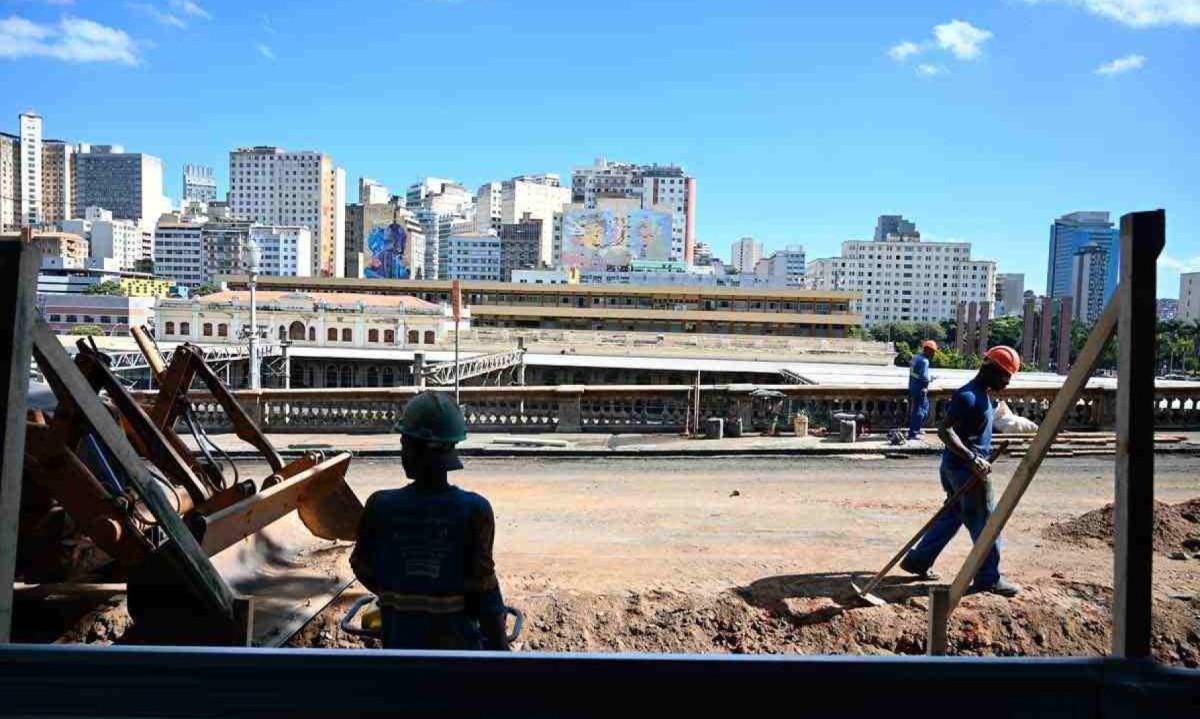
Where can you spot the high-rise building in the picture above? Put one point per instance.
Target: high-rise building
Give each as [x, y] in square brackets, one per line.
[473, 256]
[702, 255]
[520, 247]
[58, 165]
[362, 221]
[178, 252]
[371, 192]
[128, 184]
[119, 240]
[506, 202]
[888, 226]
[1088, 273]
[903, 279]
[10, 181]
[1010, 294]
[283, 251]
[272, 186]
[1189, 296]
[30, 209]
[657, 187]
[745, 254]
[783, 268]
[438, 202]
[225, 248]
[1068, 234]
[199, 183]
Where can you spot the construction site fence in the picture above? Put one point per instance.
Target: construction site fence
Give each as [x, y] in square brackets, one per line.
[654, 408]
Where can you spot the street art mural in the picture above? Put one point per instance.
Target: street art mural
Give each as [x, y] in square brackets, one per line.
[601, 239]
[386, 253]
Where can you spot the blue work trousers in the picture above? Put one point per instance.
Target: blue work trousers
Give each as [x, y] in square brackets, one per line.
[918, 405]
[973, 510]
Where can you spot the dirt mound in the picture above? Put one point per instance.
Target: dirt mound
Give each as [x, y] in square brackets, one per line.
[1052, 618]
[1174, 524]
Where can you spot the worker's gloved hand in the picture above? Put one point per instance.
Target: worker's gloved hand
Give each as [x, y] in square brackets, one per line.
[981, 465]
[494, 634]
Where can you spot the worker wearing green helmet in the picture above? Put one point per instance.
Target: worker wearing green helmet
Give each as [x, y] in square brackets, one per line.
[426, 549]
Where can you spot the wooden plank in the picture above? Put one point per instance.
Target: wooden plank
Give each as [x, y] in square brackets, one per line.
[194, 564]
[1143, 235]
[937, 640]
[19, 262]
[1055, 418]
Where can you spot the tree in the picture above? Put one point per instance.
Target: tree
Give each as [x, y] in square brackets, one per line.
[144, 265]
[206, 289]
[107, 287]
[86, 330]
[1005, 331]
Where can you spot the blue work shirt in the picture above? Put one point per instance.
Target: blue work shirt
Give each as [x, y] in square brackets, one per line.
[918, 374]
[972, 413]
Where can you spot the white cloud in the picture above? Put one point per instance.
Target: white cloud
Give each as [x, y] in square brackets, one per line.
[961, 38]
[187, 7]
[72, 39]
[926, 69]
[903, 50]
[164, 18]
[266, 51]
[1177, 266]
[1122, 64]
[1140, 13]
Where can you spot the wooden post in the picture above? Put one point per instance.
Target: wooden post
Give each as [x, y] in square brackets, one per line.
[937, 641]
[19, 263]
[1143, 235]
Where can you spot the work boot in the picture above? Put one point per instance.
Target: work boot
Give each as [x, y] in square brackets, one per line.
[1002, 587]
[924, 573]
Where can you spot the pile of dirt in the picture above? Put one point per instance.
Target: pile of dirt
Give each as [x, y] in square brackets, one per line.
[1053, 618]
[1176, 527]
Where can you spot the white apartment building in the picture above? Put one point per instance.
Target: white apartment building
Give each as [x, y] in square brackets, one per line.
[534, 197]
[438, 203]
[272, 186]
[371, 192]
[784, 268]
[662, 187]
[906, 280]
[35, 177]
[120, 240]
[178, 252]
[283, 251]
[473, 256]
[1189, 296]
[31, 170]
[745, 254]
[489, 207]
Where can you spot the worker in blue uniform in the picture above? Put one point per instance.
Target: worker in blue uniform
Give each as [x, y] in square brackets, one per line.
[966, 431]
[918, 388]
[426, 549]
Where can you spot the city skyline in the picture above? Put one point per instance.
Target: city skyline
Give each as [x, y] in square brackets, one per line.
[969, 108]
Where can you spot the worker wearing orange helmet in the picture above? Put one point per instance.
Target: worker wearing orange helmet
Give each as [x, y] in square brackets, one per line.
[966, 431]
[918, 388]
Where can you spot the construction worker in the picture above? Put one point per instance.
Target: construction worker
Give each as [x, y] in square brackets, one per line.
[966, 431]
[918, 388]
[426, 549]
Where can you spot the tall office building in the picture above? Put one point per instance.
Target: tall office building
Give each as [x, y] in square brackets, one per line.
[178, 252]
[35, 177]
[783, 268]
[1010, 294]
[489, 207]
[1068, 235]
[199, 184]
[657, 187]
[128, 184]
[1089, 270]
[58, 168]
[272, 186]
[745, 254]
[1189, 296]
[520, 247]
[903, 279]
[30, 209]
[371, 192]
[507, 202]
[473, 256]
[436, 203]
[283, 251]
[10, 181]
[888, 226]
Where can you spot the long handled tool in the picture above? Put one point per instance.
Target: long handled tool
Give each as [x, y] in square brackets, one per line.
[972, 483]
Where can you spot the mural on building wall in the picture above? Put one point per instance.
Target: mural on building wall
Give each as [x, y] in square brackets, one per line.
[601, 239]
[386, 254]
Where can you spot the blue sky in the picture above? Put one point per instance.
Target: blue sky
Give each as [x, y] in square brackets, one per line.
[802, 121]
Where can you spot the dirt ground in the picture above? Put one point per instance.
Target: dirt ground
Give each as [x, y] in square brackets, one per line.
[755, 555]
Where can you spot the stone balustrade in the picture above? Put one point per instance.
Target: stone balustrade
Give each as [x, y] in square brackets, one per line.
[649, 408]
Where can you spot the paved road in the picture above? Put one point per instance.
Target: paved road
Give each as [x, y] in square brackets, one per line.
[614, 525]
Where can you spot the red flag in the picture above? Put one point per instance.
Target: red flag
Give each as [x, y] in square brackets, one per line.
[456, 299]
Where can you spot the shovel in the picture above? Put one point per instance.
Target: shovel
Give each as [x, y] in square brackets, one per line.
[865, 592]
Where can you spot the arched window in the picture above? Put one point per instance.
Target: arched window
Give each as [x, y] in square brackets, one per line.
[373, 336]
[331, 334]
[372, 377]
[169, 329]
[312, 334]
[207, 329]
[185, 329]
[282, 333]
[331, 376]
[347, 334]
[430, 337]
[296, 331]
[347, 376]
[389, 337]
[222, 330]
[388, 377]
[413, 337]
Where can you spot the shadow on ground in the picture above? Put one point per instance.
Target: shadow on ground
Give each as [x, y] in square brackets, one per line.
[773, 593]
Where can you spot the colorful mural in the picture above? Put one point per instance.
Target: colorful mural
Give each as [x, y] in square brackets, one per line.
[600, 239]
[385, 250]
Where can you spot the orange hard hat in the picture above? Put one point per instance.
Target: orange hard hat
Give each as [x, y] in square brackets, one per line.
[1004, 357]
[929, 345]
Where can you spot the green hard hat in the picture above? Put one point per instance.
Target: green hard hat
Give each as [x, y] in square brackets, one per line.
[433, 417]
